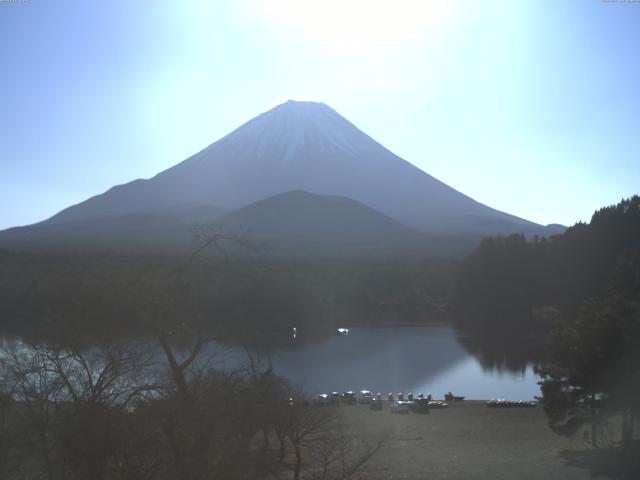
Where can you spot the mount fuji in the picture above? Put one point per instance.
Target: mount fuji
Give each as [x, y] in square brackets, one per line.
[296, 146]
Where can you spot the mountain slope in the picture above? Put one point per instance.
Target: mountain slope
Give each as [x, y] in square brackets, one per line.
[131, 231]
[292, 223]
[302, 222]
[304, 146]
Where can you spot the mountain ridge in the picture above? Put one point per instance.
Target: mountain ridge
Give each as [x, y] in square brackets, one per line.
[295, 223]
[303, 146]
[296, 148]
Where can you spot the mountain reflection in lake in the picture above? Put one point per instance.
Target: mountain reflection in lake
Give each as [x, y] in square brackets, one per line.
[398, 359]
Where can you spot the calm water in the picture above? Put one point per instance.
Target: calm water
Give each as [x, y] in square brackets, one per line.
[429, 359]
[400, 359]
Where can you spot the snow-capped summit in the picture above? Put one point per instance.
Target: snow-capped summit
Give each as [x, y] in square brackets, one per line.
[311, 124]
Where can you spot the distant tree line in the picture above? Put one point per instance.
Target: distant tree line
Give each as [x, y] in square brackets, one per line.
[107, 295]
[512, 283]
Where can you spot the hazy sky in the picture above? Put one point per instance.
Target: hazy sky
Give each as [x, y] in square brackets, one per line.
[532, 107]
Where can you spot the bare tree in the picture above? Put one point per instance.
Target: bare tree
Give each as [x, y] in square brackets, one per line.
[71, 405]
[179, 368]
[306, 426]
[114, 375]
[38, 394]
[341, 455]
[7, 428]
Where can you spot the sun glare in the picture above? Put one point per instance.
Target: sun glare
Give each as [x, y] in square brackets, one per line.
[358, 24]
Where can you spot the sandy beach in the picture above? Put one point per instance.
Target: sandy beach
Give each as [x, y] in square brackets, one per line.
[468, 440]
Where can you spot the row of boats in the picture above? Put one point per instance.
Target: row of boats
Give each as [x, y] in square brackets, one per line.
[401, 403]
[502, 403]
[366, 396]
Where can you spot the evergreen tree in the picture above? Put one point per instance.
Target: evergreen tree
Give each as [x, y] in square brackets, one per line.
[593, 369]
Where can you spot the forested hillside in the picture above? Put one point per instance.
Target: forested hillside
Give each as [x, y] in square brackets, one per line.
[116, 294]
[511, 283]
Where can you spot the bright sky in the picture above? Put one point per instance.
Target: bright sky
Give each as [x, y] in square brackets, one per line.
[531, 107]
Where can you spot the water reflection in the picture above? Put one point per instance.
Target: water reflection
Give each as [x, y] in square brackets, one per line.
[429, 359]
[393, 359]
[504, 351]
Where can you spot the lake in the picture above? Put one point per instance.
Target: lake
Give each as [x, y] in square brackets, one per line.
[419, 359]
[428, 359]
